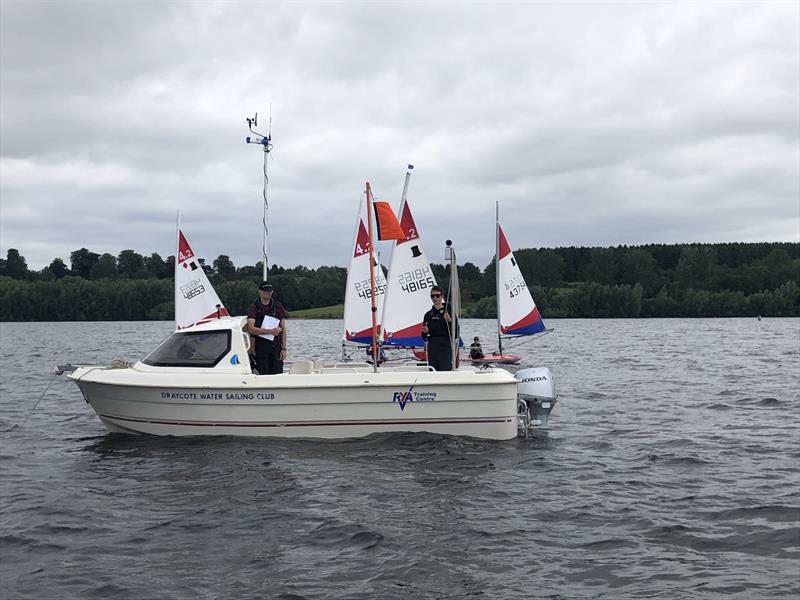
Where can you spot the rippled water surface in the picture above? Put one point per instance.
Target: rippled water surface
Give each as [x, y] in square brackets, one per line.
[670, 470]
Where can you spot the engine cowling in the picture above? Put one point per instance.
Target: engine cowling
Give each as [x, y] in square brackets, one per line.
[537, 390]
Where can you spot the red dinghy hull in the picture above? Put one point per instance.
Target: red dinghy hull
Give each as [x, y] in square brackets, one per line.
[489, 359]
[496, 359]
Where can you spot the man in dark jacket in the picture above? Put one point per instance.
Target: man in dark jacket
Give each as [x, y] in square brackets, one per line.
[437, 331]
[266, 322]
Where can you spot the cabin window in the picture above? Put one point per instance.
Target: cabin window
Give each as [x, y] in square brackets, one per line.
[191, 349]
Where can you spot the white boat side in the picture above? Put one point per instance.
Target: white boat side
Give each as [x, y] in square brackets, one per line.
[311, 401]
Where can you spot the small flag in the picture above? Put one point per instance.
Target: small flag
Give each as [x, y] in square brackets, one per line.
[388, 225]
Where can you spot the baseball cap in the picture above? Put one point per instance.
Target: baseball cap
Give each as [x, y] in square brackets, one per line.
[267, 287]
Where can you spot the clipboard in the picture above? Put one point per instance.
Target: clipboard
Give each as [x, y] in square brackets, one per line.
[268, 323]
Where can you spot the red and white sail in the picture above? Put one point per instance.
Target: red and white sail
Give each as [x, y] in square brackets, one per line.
[357, 300]
[516, 311]
[196, 301]
[409, 283]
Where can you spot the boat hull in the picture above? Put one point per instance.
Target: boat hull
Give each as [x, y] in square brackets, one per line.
[318, 405]
[489, 359]
[496, 359]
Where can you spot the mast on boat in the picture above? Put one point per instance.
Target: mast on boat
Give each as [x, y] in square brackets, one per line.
[372, 286]
[455, 302]
[176, 291]
[266, 142]
[403, 198]
[497, 275]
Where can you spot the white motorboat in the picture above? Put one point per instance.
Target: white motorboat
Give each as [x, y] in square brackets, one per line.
[198, 381]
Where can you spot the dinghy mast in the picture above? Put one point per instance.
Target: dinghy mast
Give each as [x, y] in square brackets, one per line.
[403, 198]
[497, 275]
[373, 290]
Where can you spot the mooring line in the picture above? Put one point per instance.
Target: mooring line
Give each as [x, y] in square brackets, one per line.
[28, 416]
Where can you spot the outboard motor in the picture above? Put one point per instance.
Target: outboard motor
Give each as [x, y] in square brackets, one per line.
[536, 397]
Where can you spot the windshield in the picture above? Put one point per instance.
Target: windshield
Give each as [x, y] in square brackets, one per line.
[191, 349]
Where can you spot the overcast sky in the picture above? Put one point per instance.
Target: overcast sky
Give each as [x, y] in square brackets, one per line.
[592, 124]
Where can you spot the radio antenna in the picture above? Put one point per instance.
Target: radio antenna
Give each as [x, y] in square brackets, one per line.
[265, 141]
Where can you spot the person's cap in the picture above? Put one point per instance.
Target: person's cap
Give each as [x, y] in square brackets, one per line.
[476, 338]
[264, 286]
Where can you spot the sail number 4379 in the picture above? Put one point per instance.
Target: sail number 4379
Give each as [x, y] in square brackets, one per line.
[515, 286]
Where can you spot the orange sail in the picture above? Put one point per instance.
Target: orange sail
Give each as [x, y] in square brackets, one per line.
[388, 225]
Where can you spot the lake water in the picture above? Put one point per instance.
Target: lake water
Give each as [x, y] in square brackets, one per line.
[670, 470]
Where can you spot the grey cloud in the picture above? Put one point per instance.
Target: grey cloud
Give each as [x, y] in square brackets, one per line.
[606, 124]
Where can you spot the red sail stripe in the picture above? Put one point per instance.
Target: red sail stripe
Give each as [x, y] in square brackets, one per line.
[505, 250]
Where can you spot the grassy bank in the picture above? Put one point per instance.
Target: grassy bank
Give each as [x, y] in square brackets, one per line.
[326, 312]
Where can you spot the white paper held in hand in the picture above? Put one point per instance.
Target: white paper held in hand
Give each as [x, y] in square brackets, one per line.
[269, 323]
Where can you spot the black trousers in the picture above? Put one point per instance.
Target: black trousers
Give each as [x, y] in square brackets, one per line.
[440, 355]
[268, 356]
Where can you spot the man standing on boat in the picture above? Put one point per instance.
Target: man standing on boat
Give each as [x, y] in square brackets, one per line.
[266, 321]
[436, 330]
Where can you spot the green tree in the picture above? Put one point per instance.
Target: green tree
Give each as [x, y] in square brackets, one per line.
[697, 268]
[16, 267]
[82, 261]
[469, 272]
[639, 266]
[169, 267]
[225, 267]
[155, 265]
[602, 266]
[131, 264]
[543, 267]
[105, 268]
[787, 300]
[58, 268]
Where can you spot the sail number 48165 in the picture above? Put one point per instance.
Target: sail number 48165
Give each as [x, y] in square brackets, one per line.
[418, 279]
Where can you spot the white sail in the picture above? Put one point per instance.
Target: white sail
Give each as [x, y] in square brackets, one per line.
[516, 311]
[408, 290]
[196, 301]
[357, 301]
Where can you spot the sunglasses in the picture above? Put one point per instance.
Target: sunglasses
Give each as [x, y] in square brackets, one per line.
[436, 295]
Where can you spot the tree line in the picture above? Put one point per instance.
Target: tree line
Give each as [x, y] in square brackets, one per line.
[654, 280]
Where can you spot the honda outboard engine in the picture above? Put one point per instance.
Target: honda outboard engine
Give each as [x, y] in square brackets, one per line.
[536, 397]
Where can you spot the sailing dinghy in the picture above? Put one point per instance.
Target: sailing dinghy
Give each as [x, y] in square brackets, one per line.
[196, 301]
[408, 285]
[358, 294]
[517, 314]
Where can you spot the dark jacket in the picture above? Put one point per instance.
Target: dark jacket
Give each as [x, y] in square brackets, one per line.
[437, 326]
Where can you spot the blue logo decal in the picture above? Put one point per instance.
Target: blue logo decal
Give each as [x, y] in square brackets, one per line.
[403, 398]
[235, 359]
